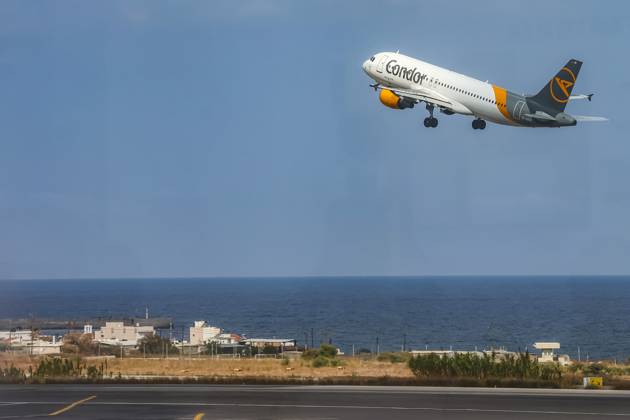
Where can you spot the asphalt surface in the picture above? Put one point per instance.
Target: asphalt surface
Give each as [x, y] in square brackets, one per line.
[304, 402]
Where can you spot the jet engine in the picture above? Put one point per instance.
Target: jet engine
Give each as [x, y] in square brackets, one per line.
[391, 100]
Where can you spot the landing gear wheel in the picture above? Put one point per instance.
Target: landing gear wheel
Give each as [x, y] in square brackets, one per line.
[430, 121]
[478, 124]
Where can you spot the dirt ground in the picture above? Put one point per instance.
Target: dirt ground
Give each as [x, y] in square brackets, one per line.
[253, 367]
[267, 368]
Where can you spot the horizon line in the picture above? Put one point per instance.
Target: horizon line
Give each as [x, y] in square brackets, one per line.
[328, 276]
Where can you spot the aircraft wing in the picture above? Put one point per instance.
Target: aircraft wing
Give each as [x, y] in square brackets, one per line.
[430, 97]
[424, 95]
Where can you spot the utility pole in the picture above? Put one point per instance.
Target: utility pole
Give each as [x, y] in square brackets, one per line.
[377, 346]
[312, 338]
[404, 345]
[305, 340]
[579, 358]
[182, 355]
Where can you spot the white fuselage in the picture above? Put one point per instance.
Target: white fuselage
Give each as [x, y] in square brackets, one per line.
[468, 95]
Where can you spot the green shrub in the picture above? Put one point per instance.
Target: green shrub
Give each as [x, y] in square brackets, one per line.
[11, 374]
[336, 362]
[393, 357]
[57, 367]
[154, 344]
[481, 367]
[310, 354]
[326, 350]
[594, 369]
[320, 361]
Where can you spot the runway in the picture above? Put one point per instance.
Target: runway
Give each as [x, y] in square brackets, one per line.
[304, 402]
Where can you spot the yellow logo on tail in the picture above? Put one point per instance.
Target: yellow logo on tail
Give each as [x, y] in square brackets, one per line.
[561, 92]
[564, 84]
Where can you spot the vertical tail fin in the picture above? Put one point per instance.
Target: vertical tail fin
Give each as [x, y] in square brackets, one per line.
[555, 94]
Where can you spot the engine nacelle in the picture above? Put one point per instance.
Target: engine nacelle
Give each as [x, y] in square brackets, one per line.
[391, 100]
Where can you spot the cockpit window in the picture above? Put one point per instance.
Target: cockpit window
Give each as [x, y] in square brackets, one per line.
[372, 58]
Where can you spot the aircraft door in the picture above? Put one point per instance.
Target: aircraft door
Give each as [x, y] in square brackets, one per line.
[381, 64]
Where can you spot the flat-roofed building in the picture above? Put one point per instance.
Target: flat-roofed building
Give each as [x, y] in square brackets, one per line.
[282, 343]
[16, 337]
[42, 347]
[546, 350]
[549, 355]
[201, 333]
[118, 333]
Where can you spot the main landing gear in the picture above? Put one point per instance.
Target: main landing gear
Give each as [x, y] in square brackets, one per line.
[478, 124]
[430, 121]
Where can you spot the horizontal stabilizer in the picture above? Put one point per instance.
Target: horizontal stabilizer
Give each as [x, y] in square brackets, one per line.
[586, 118]
[574, 97]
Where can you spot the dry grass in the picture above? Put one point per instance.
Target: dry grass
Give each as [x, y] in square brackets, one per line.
[267, 368]
[20, 361]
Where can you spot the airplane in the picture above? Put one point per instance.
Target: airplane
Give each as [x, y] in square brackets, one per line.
[404, 82]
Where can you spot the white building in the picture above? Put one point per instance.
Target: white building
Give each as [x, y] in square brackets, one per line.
[117, 333]
[32, 344]
[16, 337]
[281, 343]
[201, 333]
[228, 338]
[547, 353]
[42, 347]
[445, 353]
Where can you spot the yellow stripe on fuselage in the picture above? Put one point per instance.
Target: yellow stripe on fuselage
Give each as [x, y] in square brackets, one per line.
[500, 96]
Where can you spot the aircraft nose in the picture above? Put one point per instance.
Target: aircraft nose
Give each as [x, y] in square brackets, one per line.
[366, 65]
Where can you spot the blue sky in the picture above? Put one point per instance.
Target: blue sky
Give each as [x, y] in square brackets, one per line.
[158, 138]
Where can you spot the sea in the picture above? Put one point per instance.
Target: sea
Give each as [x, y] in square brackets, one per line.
[588, 315]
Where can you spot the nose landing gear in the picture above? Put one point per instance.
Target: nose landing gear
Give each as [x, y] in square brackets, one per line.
[430, 121]
[478, 124]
